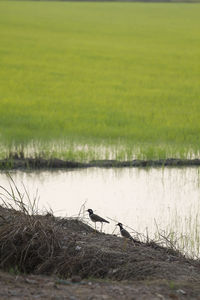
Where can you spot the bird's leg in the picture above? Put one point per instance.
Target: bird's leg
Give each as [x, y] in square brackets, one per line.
[125, 243]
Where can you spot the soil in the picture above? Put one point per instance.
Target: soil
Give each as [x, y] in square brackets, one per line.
[43, 257]
[19, 162]
[17, 287]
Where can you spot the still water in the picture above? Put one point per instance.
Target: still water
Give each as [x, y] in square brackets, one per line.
[146, 200]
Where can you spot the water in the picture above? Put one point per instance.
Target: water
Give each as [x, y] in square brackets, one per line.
[166, 198]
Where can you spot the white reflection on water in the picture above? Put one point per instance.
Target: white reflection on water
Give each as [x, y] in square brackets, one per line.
[135, 197]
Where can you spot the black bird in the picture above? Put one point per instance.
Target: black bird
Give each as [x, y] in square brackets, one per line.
[95, 218]
[124, 232]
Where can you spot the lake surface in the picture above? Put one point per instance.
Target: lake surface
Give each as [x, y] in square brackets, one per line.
[145, 200]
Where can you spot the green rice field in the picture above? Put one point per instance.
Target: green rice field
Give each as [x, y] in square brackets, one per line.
[88, 80]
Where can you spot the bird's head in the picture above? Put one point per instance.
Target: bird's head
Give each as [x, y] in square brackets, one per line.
[119, 224]
[90, 211]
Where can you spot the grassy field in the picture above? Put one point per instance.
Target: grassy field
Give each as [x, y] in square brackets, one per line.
[100, 80]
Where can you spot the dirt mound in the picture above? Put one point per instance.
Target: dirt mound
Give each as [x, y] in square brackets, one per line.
[67, 247]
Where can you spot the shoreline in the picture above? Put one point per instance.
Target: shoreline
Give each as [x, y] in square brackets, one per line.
[55, 163]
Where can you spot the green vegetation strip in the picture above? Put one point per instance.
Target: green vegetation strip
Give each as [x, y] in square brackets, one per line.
[101, 74]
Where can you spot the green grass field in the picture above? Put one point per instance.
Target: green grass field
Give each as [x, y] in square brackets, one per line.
[100, 80]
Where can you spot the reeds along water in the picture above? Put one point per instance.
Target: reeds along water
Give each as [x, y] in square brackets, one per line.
[87, 150]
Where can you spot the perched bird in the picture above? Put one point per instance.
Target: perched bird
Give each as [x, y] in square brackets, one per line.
[95, 218]
[124, 232]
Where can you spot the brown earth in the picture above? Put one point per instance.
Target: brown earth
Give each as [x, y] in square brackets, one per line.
[43, 257]
[19, 287]
[16, 161]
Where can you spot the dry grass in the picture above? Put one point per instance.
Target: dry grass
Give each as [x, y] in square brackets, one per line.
[65, 247]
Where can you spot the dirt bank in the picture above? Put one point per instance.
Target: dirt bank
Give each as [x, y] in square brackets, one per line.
[21, 287]
[41, 163]
[65, 259]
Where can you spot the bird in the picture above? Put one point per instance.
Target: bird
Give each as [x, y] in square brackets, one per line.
[124, 232]
[95, 218]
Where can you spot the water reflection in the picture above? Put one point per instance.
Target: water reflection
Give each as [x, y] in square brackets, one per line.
[140, 198]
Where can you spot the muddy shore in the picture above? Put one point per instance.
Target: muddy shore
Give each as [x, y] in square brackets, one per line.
[45, 257]
[41, 163]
